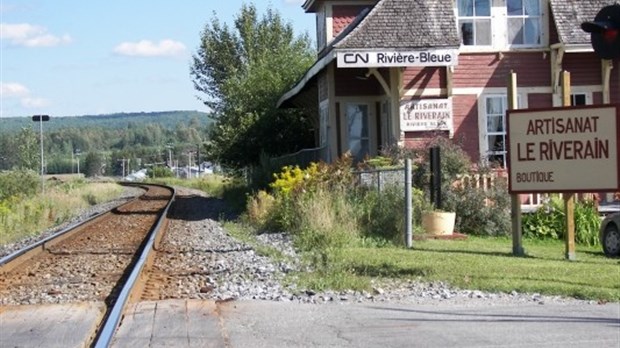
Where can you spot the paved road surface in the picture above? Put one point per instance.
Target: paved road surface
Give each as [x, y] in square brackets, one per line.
[195, 323]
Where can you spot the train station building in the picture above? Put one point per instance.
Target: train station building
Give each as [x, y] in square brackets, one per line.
[397, 72]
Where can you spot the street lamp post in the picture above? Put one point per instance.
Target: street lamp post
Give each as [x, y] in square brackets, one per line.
[77, 156]
[41, 119]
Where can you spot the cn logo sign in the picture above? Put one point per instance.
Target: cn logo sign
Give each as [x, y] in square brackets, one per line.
[356, 58]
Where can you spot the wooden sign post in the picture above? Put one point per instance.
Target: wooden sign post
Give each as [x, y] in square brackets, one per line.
[515, 201]
[569, 197]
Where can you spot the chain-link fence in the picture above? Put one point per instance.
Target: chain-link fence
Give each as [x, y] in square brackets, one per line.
[380, 179]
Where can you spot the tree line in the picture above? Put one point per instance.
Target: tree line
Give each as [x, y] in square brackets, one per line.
[103, 148]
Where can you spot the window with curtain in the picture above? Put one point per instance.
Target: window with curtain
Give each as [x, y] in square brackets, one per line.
[524, 22]
[474, 18]
[495, 112]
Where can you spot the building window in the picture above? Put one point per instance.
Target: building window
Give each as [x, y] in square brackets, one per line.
[524, 22]
[578, 99]
[357, 126]
[495, 137]
[474, 18]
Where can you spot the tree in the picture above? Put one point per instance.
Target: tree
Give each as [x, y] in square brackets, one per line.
[242, 72]
[93, 164]
[27, 149]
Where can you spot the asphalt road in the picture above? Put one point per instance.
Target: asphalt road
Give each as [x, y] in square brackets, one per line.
[268, 324]
[237, 324]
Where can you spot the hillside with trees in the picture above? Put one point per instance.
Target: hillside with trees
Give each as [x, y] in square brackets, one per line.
[103, 144]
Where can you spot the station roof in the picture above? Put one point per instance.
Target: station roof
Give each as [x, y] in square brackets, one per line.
[568, 16]
[405, 24]
[422, 24]
[390, 24]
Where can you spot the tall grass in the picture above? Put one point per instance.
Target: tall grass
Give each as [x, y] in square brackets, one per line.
[325, 220]
[23, 216]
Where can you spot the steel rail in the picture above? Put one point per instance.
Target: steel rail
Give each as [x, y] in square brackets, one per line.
[41, 244]
[105, 336]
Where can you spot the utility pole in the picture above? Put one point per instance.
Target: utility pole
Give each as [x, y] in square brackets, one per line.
[198, 158]
[41, 119]
[123, 167]
[189, 164]
[169, 155]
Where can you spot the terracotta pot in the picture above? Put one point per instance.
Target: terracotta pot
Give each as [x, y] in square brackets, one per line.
[438, 222]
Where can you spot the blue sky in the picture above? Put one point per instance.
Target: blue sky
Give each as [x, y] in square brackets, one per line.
[71, 58]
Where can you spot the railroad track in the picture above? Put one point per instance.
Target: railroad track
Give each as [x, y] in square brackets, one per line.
[99, 260]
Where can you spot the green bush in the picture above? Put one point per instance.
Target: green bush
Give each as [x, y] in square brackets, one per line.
[454, 162]
[549, 221]
[21, 182]
[480, 212]
[159, 172]
[325, 219]
[587, 223]
[381, 214]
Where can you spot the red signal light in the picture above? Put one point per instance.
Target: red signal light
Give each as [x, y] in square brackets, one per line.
[610, 35]
[604, 32]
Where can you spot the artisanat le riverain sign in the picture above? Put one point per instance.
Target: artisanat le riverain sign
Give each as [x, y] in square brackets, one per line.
[564, 149]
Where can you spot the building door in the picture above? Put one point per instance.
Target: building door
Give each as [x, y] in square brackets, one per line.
[357, 118]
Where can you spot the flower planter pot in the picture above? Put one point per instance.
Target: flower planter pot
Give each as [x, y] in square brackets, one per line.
[438, 222]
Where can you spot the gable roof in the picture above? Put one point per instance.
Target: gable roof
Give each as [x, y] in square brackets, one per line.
[405, 24]
[569, 14]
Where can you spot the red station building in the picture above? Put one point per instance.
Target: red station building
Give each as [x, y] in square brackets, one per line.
[395, 72]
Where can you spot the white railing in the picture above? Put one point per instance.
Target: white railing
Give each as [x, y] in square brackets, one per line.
[485, 181]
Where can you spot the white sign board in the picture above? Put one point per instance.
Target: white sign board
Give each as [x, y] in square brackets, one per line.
[564, 149]
[392, 58]
[426, 115]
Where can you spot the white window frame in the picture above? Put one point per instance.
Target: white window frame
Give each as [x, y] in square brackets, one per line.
[499, 29]
[475, 18]
[588, 91]
[485, 152]
[585, 98]
[524, 17]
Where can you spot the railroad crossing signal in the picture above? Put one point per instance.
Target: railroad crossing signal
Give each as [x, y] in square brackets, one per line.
[605, 32]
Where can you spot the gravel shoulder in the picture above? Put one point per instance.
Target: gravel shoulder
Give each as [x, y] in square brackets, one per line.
[225, 268]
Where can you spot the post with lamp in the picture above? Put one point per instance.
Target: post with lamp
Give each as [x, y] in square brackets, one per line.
[41, 119]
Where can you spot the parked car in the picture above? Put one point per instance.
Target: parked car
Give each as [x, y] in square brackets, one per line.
[610, 235]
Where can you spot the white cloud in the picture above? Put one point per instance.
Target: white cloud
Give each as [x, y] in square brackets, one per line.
[31, 36]
[21, 93]
[146, 48]
[13, 90]
[294, 2]
[34, 103]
